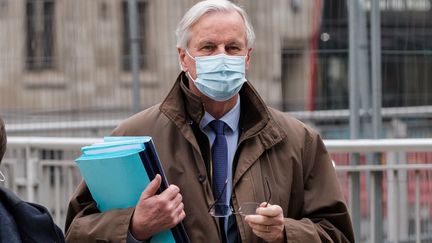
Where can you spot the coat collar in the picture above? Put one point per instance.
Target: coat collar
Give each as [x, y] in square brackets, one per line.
[183, 108]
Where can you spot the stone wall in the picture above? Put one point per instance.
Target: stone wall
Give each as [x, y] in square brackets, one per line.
[88, 74]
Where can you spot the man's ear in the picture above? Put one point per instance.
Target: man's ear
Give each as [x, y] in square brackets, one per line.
[248, 57]
[182, 55]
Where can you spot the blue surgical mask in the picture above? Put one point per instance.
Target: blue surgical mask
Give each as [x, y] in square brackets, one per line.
[219, 77]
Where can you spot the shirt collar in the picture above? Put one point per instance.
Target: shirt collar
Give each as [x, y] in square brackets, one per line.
[231, 118]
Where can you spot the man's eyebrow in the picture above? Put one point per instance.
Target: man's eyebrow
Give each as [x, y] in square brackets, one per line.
[203, 43]
[234, 43]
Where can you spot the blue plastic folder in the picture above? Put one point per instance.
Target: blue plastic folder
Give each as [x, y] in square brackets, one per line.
[118, 170]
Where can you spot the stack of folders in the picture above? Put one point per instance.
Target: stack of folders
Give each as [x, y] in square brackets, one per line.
[117, 171]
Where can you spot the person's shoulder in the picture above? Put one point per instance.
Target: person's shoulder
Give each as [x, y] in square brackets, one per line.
[287, 120]
[148, 114]
[8, 197]
[33, 220]
[17, 205]
[139, 121]
[285, 117]
[291, 124]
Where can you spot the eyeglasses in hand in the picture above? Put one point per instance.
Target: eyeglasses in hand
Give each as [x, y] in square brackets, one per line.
[219, 210]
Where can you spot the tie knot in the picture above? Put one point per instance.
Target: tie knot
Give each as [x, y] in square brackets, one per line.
[218, 127]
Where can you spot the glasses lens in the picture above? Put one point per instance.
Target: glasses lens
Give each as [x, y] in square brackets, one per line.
[221, 210]
[248, 208]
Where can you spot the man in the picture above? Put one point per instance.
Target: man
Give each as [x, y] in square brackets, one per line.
[222, 148]
[22, 221]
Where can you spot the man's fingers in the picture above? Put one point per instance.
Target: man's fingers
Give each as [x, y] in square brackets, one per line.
[262, 220]
[258, 219]
[151, 188]
[267, 228]
[170, 193]
[265, 204]
[177, 200]
[180, 209]
[270, 210]
[177, 215]
[181, 215]
[261, 227]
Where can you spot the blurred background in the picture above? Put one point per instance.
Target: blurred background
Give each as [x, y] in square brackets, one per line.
[71, 70]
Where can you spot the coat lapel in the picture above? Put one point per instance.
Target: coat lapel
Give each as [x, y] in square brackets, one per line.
[183, 112]
[184, 109]
[255, 146]
[259, 131]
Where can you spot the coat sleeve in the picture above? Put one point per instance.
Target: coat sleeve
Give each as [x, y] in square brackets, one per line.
[324, 216]
[85, 223]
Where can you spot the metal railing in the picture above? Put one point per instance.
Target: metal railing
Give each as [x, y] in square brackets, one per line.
[310, 116]
[402, 174]
[41, 169]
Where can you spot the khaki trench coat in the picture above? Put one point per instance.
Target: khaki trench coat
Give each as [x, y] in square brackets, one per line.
[271, 144]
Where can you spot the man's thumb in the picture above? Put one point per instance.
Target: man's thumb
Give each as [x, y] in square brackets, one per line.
[151, 188]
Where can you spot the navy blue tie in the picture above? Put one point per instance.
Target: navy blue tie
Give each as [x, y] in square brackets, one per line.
[220, 161]
[220, 173]
[220, 167]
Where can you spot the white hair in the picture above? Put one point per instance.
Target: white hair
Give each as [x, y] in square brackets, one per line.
[208, 6]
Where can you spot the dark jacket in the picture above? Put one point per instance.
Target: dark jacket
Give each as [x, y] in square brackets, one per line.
[30, 222]
[271, 145]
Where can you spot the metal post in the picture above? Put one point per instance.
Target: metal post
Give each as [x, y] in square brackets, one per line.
[363, 70]
[373, 198]
[134, 55]
[57, 191]
[396, 198]
[354, 116]
[31, 174]
[375, 43]
[376, 68]
[392, 207]
[417, 206]
[404, 213]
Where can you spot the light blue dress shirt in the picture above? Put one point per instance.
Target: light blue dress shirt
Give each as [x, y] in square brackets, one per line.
[231, 134]
[232, 119]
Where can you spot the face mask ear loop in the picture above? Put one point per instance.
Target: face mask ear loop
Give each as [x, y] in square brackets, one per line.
[187, 73]
[181, 66]
[190, 76]
[187, 52]
[2, 177]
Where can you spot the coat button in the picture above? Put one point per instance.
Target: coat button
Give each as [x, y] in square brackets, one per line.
[201, 178]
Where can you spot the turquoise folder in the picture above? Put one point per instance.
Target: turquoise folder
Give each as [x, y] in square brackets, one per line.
[118, 170]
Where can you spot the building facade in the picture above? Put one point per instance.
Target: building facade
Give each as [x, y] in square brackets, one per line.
[71, 57]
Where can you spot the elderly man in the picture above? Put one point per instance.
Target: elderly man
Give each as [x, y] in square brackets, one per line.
[240, 171]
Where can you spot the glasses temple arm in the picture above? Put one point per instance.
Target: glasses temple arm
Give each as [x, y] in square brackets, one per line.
[220, 195]
[268, 188]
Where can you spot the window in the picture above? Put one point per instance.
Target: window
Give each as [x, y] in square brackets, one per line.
[405, 51]
[3, 8]
[332, 65]
[142, 23]
[40, 34]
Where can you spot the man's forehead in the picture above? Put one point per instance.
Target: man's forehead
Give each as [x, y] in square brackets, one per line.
[219, 27]
[217, 19]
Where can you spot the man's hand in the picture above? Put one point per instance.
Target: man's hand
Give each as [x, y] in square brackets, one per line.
[155, 213]
[268, 223]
